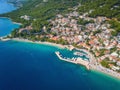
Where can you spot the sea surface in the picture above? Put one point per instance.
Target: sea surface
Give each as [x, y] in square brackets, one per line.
[28, 66]
[5, 7]
[6, 26]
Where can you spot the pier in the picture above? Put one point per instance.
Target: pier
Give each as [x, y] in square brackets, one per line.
[74, 60]
[4, 39]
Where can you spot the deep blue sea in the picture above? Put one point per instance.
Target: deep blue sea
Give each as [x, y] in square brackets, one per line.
[28, 66]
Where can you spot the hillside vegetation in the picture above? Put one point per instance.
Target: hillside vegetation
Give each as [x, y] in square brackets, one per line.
[43, 10]
[108, 8]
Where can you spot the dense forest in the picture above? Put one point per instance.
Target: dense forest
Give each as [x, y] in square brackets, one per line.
[45, 9]
[41, 11]
[108, 8]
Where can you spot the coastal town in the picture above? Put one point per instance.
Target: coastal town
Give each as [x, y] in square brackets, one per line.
[92, 34]
[60, 45]
[84, 32]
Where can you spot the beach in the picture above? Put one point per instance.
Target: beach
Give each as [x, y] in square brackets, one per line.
[39, 42]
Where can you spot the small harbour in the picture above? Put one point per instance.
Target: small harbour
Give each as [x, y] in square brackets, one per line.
[76, 60]
[32, 66]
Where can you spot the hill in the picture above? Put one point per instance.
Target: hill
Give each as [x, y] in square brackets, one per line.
[108, 8]
[40, 11]
[105, 8]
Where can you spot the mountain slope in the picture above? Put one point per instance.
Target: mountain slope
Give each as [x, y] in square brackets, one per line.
[43, 10]
[39, 8]
[108, 8]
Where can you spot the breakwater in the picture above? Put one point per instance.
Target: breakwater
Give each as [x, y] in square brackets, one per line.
[74, 60]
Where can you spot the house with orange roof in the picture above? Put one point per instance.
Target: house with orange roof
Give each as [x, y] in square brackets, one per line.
[55, 38]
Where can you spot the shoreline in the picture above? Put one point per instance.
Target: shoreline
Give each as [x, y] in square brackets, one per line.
[11, 20]
[107, 73]
[16, 23]
[39, 42]
[92, 67]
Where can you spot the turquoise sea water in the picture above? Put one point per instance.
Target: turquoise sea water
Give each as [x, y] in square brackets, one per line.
[5, 7]
[28, 66]
[6, 26]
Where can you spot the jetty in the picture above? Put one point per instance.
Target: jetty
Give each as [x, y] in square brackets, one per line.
[74, 60]
[4, 39]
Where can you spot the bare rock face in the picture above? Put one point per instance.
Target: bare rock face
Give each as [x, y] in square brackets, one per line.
[17, 3]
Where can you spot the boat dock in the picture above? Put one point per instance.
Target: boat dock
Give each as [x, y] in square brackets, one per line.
[74, 60]
[79, 54]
